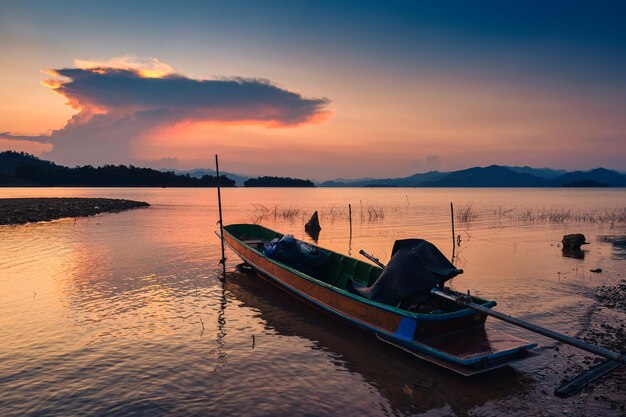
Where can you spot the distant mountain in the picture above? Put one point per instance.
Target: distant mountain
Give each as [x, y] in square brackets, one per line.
[584, 184]
[491, 176]
[547, 173]
[415, 180]
[334, 183]
[348, 180]
[600, 175]
[494, 176]
[200, 172]
[21, 169]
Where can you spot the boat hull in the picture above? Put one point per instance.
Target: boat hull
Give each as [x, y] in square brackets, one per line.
[405, 330]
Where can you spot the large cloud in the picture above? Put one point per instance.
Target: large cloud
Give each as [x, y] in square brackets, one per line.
[123, 100]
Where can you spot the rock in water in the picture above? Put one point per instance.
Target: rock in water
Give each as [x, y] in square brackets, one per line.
[573, 241]
[312, 227]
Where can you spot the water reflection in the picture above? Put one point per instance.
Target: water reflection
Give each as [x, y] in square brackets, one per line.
[618, 243]
[221, 361]
[574, 253]
[94, 306]
[314, 234]
[409, 385]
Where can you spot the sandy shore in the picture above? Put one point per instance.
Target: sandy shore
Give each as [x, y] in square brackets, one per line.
[26, 210]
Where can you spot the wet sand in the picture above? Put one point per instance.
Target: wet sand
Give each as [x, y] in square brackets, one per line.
[27, 210]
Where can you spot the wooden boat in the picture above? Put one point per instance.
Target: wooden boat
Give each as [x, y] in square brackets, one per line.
[451, 336]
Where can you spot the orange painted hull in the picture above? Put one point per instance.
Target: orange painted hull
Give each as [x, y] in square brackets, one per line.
[424, 335]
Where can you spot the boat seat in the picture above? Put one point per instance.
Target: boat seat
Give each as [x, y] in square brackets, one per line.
[333, 268]
[346, 272]
[361, 272]
[373, 275]
[253, 241]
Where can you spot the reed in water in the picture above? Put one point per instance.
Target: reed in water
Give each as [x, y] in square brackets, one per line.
[261, 213]
[464, 214]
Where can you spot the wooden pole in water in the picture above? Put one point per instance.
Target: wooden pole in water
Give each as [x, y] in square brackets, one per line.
[219, 205]
[350, 218]
[453, 234]
[452, 218]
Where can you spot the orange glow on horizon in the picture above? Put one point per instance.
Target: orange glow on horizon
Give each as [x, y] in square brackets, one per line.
[34, 148]
[393, 126]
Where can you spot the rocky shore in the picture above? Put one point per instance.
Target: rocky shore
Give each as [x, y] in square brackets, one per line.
[27, 210]
[607, 329]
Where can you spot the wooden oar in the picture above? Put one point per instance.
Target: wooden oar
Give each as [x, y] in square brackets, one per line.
[575, 385]
[597, 350]
[466, 302]
[614, 359]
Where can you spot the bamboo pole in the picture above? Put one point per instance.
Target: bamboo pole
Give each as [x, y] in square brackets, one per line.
[350, 218]
[568, 340]
[453, 235]
[219, 205]
[596, 350]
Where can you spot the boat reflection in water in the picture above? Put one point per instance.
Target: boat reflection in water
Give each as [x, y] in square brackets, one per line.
[409, 384]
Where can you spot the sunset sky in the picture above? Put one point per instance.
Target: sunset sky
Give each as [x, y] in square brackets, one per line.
[316, 89]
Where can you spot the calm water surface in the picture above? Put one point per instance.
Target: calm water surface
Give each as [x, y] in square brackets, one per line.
[125, 314]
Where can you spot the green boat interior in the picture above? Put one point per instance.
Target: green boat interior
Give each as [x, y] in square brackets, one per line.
[339, 270]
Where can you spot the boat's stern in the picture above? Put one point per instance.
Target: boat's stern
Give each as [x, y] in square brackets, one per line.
[467, 352]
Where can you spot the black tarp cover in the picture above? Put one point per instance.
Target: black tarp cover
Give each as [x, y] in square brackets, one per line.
[416, 266]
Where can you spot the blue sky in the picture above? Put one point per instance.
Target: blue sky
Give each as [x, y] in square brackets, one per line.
[454, 82]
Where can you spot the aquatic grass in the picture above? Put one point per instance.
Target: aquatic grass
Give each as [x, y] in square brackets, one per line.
[263, 213]
[613, 216]
[375, 213]
[466, 214]
[557, 215]
[362, 215]
[290, 213]
[501, 212]
[333, 213]
[568, 215]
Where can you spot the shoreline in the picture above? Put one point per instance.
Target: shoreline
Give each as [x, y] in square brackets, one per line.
[15, 211]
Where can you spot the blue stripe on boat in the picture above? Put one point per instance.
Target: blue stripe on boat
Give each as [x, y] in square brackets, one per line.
[406, 328]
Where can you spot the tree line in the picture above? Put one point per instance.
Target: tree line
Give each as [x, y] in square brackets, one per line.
[30, 170]
[277, 182]
[19, 168]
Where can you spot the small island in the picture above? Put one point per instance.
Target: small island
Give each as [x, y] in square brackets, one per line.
[278, 182]
[28, 210]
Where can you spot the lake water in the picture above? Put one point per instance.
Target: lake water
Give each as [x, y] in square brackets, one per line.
[125, 314]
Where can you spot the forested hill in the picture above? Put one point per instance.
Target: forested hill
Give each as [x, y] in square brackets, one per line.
[277, 182]
[22, 169]
[495, 176]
